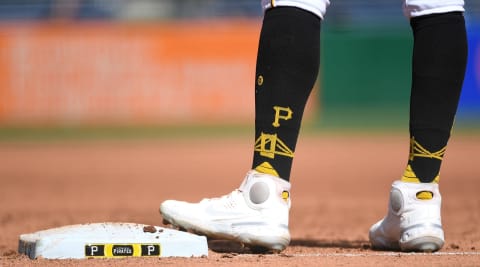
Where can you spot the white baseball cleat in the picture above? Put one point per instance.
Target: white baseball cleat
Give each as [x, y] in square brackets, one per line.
[256, 214]
[413, 222]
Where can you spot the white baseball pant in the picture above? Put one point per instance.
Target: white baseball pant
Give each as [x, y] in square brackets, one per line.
[411, 8]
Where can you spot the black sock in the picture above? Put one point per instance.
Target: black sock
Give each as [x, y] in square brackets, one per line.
[439, 62]
[287, 66]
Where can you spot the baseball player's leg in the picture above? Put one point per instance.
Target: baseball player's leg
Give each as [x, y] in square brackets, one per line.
[257, 213]
[413, 222]
[287, 67]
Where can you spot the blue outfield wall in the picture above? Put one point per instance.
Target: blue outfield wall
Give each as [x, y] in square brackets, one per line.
[469, 107]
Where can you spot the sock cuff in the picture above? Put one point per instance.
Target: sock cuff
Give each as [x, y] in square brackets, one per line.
[439, 18]
[295, 12]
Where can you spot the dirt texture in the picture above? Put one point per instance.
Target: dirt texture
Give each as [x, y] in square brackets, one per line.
[340, 186]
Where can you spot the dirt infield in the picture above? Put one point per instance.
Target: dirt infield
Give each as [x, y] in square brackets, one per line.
[340, 187]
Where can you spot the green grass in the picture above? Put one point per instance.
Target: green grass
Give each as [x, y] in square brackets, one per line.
[118, 132]
[345, 122]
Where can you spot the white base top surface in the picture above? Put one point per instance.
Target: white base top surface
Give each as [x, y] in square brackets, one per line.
[111, 240]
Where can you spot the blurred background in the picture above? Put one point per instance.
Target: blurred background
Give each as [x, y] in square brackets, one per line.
[159, 64]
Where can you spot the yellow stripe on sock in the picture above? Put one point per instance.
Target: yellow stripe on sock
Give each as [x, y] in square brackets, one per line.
[267, 168]
[417, 150]
[409, 176]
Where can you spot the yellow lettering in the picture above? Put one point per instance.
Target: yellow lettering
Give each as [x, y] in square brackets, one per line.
[284, 113]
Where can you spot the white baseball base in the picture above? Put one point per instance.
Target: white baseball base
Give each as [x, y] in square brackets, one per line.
[111, 240]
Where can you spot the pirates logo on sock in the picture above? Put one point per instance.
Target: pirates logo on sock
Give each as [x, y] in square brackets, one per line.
[281, 113]
[270, 145]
